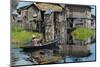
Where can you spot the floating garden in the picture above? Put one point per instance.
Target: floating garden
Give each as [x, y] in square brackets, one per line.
[20, 36]
[82, 34]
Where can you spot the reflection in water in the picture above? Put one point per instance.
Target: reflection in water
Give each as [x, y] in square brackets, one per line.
[89, 58]
[21, 58]
[92, 56]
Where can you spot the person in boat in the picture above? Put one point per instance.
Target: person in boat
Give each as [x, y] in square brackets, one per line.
[36, 41]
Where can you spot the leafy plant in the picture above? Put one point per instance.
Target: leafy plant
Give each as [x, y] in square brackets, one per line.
[81, 33]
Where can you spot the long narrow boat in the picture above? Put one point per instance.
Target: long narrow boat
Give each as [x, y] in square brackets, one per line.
[48, 45]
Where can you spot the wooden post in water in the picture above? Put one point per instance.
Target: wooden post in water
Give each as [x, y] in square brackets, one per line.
[65, 32]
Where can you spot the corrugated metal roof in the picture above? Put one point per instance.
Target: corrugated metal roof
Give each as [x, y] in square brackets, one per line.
[23, 4]
[14, 12]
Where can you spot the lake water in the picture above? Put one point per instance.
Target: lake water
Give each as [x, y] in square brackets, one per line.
[92, 57]
[21, 58]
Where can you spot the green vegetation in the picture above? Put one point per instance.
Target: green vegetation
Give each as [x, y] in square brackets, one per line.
[82, 33]
[16, 28]
[21, 36]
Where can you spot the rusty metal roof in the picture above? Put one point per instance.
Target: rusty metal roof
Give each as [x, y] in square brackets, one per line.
[48, 6]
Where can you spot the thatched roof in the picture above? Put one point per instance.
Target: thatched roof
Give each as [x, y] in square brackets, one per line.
[46, 6]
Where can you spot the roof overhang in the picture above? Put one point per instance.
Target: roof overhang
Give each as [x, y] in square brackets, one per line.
[48, 6]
